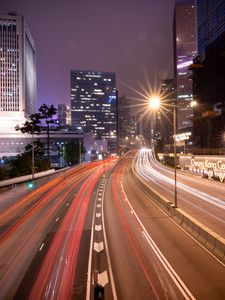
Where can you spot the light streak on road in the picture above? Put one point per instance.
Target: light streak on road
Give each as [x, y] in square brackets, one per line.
[164, 282]
[116, 180]
[33, 215]
[56, 278]
[147, 166]
[169, 269]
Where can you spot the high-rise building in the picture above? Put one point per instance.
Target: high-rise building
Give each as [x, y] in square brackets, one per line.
[168, 92]
[94, 103]
[210, 22]
[64, 115]
[124, 116]
[185, 51]
[209, 75]
[17, 72]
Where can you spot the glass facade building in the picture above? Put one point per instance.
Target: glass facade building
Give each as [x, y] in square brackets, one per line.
[185, 51]
[64, 115]
[211, 22]
[17, 71]
[94, 103]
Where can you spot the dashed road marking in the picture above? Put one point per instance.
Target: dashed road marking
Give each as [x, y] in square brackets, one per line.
[103, 278]
[98, 227]
[98, 247]
[42, 245]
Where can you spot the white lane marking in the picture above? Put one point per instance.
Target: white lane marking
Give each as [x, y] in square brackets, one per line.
[107, 253]
[103, 278]
[98, 227]
[98, 205]
[88, 293]
[42, 245]
[174, 276]
[98, 215]
[98, 247]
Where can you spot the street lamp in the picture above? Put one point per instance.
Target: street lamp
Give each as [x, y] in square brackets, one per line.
[154, 104]
[32, 151]
[175, 153]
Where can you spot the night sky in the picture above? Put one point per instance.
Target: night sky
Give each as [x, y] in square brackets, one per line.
[133, 38]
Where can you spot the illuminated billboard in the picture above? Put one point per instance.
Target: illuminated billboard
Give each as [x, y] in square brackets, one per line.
[208, 166]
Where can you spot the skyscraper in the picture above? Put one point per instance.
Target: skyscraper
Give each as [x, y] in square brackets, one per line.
[185, 51]
[64, 115]
[126, 124]
[209, 75]
[18, 72]
[168, 92]
[94, 103]
[210, 22]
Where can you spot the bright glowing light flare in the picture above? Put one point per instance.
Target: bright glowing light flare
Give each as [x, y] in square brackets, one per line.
[193, 103]
[154, 102]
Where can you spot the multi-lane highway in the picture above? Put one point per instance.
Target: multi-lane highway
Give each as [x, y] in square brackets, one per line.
[203, 199]
[41, 234]
[94, 225]
[152, 257]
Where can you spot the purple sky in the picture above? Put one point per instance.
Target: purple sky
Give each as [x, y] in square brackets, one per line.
[130, 37]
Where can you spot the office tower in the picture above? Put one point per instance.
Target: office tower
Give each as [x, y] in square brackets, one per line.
[124, 122]
[18, 72]
[209, 75]
[210, 22]
[185, 51]
[64, 115]
[168, 92]
[94, 103]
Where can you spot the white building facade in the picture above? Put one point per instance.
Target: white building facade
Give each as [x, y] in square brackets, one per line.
[17, 72]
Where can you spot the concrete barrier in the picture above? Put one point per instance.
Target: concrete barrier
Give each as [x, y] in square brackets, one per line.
[24, 178]
[21, 179]
[204, 235]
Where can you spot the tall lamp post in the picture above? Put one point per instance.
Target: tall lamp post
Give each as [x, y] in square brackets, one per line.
[175, 152]
[154, 104]
[32, 151]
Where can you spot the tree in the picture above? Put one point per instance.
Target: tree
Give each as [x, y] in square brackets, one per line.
[34, 126]
[22, 165]
[31, 126]
[46, 113]
[73, 152]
